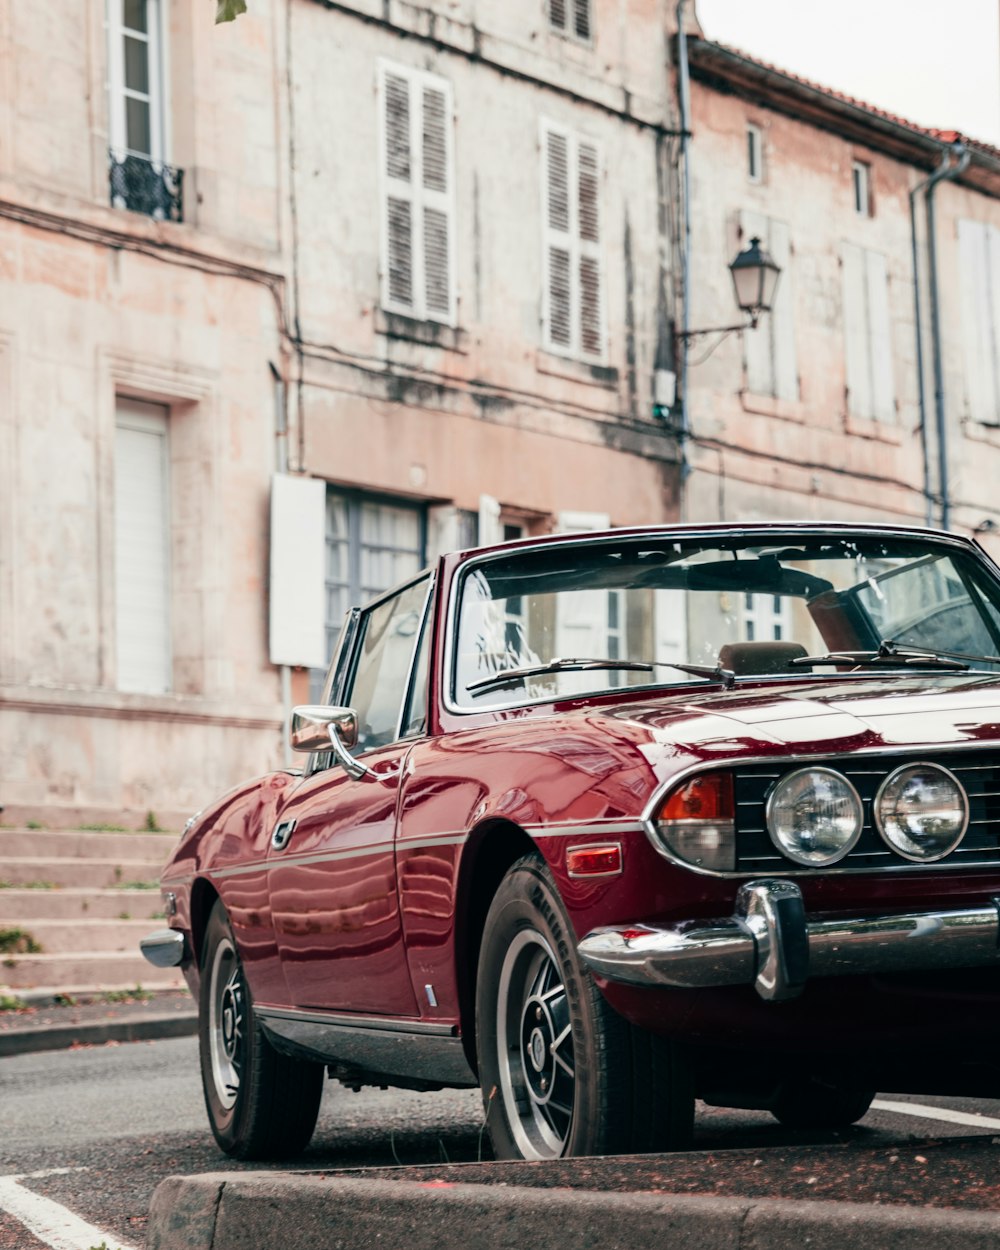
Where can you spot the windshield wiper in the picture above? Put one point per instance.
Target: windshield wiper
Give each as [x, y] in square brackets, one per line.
[511, 676]
[888, 655]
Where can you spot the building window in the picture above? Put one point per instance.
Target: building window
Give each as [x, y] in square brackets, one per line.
[755, 154]
[867, 335]
[573, 298]
[979, 269]
[141, 180]
[418, 213]
[142, 548]
[765, 618]
[570, 17]
[861, 188]
[770, 348]
[372, 543]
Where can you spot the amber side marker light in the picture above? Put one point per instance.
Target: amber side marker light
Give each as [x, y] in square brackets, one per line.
[696, 823]
[594, 861]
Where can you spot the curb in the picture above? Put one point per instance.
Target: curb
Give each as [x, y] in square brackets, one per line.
[300, 1211]
[62, 1036]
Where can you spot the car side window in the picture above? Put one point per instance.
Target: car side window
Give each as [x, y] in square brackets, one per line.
[388, 635]
[416, 711]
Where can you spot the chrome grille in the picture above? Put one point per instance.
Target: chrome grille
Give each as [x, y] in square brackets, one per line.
[978, 771]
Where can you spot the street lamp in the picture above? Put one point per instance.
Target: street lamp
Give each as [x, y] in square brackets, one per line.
[755, 280]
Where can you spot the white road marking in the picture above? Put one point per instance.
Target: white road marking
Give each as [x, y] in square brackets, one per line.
[47, 1220]
[923, 1112]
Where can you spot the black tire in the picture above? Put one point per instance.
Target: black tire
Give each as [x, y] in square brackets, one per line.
[811, 1105]
[561, 1073]
[261, 1105]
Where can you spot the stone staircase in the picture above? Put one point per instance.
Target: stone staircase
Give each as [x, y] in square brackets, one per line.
[73, 905]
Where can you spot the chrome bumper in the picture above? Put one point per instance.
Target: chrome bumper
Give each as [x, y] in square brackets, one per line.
[166, 948]
[770, 943]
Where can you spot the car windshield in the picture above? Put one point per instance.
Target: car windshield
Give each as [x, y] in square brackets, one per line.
[730, 605]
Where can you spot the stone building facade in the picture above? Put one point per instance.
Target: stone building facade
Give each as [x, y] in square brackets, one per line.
[417, 255]
[290, 305]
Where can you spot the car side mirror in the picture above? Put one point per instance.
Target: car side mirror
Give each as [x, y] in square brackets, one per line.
[323, 728]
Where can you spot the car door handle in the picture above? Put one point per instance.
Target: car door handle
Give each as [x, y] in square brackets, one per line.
[282, 835]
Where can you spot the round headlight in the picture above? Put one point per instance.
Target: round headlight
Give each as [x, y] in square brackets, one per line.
[814, 816]
[922, 811]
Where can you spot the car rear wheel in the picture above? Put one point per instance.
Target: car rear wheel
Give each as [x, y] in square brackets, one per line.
[561, 1073]
[812, 1105]
[261, 1105]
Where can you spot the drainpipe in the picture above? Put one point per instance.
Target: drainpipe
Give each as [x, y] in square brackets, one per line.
[954, 161]
[681, 339]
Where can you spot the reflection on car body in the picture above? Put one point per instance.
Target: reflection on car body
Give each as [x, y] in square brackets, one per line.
[606, 823]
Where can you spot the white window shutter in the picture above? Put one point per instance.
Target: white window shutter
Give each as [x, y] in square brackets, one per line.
[398, 172]
[880, 337]
[573, 296]
[589, 225]
[418, 190]
[142, 549]
[782, 315]
[557, 14]
[993, 322]
[558, 241]
[581, 19]
[490, 525]
[438, 226]
[296, 617]
[859, 383]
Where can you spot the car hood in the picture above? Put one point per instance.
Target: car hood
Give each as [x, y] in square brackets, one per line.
[815, 717]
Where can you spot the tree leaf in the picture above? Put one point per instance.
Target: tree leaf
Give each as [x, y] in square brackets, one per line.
[229, 10]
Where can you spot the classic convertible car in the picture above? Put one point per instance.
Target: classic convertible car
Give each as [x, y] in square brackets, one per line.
[607, 823]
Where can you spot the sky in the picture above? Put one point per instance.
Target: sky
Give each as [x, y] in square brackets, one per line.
[933, 63]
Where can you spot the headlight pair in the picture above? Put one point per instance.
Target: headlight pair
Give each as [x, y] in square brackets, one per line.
[815, 815]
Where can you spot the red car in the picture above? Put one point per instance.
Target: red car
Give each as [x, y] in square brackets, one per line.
[607, 823]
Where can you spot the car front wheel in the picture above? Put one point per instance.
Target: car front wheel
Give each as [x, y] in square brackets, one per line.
[561, 1073]
[261, 1105]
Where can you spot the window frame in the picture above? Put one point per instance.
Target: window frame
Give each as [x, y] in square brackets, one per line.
[861, 187]
[755, 153]
[419, 197]
[118, 93]
[569, 28]
[570, 240]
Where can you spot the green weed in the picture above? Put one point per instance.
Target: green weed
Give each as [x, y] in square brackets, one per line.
[18, 942]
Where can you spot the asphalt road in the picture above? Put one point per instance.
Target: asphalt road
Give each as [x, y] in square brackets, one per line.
[120, 1118]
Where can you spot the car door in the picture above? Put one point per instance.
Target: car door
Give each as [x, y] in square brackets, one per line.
[332, 870]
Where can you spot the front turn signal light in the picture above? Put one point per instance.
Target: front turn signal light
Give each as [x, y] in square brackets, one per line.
[696, 823]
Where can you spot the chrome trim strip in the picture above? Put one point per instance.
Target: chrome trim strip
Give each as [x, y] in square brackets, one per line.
[417, 844]
[370, 1051]
[818, 759]
[164, 948]
[770, 941]
[598, 828]
[666, 534]
[343, 1019]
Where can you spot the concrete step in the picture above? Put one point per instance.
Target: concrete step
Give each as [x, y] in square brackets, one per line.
[84, 844]
[18, 906]
[22, 871]
[59, 937]
[84, 972]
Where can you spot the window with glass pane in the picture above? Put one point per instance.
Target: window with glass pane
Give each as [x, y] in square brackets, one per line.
[389, 634]
[134, 78]
[372, 543]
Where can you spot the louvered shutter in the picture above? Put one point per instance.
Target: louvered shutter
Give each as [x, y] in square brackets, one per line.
[859, 382]
[418, 249]
[557, 14]
[581, 19]
[559, 244]
[396, 129]
[591, 295]
[880, 337]
[437, 226]
[574, 280]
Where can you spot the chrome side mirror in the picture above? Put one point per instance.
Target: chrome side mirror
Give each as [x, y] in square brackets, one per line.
[321, 728]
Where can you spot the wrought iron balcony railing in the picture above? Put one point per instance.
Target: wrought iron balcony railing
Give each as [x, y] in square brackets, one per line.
[145, 186]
